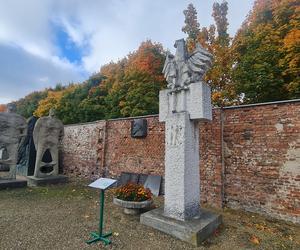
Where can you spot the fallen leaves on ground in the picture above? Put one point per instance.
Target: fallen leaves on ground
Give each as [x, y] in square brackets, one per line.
[255, 240]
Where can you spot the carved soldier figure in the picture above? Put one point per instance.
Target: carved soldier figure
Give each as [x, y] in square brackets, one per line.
[12, 129]
[47, 134]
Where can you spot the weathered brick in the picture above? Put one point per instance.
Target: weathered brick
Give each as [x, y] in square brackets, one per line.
[256, 167]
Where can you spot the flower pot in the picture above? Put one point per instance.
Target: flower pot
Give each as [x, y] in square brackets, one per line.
[132, 207]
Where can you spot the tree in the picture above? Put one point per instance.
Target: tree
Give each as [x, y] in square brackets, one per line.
[267, 52]
[51, 101]
[134, 89]
[220, 16]
[128, 87]
[142, 94]
[113, 74]
[93, 107]
[219, 77]
[27, 105]
[75, 103]
[2, 108]
[191, 27]
[216, 39]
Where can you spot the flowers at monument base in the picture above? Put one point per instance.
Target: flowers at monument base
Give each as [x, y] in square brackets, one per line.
[133, 192]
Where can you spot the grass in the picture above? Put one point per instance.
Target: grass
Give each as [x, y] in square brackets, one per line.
[61, 217]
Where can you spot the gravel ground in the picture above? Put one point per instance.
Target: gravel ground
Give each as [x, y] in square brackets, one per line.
[61, 217]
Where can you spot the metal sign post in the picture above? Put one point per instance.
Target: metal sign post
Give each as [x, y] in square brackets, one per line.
[102, 184]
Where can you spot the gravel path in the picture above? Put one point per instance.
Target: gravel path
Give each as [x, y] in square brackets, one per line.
[61, 217]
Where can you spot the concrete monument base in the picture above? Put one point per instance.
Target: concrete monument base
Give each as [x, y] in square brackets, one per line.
[14, 183]
[193, 231]
[34, 181]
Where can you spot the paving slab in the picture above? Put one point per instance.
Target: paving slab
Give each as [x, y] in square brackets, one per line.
[15, 183]
[35, 181]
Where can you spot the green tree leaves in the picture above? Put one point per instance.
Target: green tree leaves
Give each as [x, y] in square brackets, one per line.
[267, 52]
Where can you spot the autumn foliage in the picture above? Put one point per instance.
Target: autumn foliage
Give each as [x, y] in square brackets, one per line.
[267, 52]
[260, 63]
[128, 87]
[216, 39]
[2, 107]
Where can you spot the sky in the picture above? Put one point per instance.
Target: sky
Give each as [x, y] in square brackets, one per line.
[46, 42]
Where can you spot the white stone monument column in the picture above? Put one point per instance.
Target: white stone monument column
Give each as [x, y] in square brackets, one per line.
[182, 193]
[186, 102]
[181, 109]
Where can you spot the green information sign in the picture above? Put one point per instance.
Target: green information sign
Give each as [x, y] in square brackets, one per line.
[102, 184]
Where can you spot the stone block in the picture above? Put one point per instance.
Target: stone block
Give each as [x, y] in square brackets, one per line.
[182, 180]
[164, 105]
[194, 99]
[57, 179]
[193, 231]
[14, 183]
[128, 177]
[153, 182]
[199, 101]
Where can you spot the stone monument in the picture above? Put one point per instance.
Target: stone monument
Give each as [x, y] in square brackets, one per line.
[12, 130]
[27, 152]
[185, 102]
[47, 135]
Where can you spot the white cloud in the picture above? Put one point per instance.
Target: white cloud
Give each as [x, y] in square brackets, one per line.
[103, 30]
[22, 73]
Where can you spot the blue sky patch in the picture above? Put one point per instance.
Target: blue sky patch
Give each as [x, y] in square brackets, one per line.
[68, 49]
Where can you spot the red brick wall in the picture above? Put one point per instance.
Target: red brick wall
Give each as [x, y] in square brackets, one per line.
[255, 167]
[211, 161]
[82, 150]
[262, 159]
[127, 154]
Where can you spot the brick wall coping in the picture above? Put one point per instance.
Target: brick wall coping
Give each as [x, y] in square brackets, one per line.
[260, 104]
[155, 115]
[115, 119]
[84, 123]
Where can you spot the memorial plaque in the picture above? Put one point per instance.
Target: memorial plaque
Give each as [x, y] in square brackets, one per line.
[102, 183]
[139, 128]
[142, 179]
[153, 183]
[128, 177]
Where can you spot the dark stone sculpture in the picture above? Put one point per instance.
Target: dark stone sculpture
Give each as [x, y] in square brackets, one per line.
[27, 151]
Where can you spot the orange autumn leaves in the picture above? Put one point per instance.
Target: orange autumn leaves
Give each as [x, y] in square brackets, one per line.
[2, 108]
[261, 62]
[133, 83]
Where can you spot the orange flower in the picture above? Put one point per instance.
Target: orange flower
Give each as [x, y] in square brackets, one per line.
[133, 192]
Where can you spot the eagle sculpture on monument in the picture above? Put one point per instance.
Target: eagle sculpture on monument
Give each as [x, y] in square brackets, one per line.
[185, 68]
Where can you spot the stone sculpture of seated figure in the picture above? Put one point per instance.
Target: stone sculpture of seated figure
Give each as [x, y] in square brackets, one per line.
[47, 134]
[12, 129]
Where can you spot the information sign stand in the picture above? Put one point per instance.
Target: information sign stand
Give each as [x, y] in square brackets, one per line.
[102, 184]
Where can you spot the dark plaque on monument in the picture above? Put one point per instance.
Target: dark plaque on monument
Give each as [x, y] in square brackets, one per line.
[139, 128]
